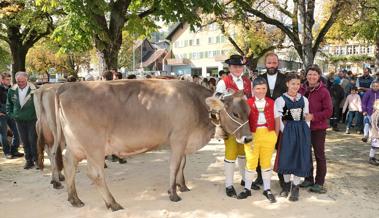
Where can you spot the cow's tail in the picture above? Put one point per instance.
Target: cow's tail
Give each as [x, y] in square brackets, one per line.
[40, 140]
[59, 141]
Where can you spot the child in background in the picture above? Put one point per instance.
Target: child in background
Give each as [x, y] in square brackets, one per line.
[354, 104]
[295, 151]
[375, 134]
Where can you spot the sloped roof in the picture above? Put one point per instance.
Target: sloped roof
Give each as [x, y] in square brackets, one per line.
[153, 57]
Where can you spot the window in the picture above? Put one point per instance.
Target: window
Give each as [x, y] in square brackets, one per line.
[368, 50]
[363, 49]
[185, 43]
[195, 55]
[201, 55]
[349, 49]
[190, 42]
[222, 39]
[355, 49]
[209, 40]
[217, 39]
[210, 54]
[197, 41]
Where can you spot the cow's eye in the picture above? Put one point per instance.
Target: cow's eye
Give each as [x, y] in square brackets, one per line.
[236, 115]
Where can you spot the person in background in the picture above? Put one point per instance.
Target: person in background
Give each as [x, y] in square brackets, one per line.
[368, 100]
[117, 75]
[10, 150]
[375, 135]
[354, 105]
[222, 74]
[337, 93]
[212, 84]
[196, 79]
[131, 76]
[72, 78]
[20, 107]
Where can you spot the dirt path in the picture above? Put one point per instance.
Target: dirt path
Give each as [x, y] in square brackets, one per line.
[141, 187]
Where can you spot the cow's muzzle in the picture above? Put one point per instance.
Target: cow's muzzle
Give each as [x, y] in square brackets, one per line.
[244, 139]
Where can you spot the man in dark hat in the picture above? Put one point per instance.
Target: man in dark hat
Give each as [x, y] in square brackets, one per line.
[234, 81]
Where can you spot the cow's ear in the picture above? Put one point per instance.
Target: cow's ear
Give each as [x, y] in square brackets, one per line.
[214, 103]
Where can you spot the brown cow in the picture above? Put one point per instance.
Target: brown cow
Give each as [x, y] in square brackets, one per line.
[135, 116]
[46, 128]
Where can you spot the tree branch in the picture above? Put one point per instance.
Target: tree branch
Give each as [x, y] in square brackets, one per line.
[332, 18]
[294, 38]
[231, 40]
[280, 8]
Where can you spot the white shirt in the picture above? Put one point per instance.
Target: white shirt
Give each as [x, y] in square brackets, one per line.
[271, 80]
[221, 87]
[354, 103]
[22, 94]
[260, 104]
[280, 103]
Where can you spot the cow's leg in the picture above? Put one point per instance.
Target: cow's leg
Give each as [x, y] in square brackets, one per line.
[55, 173]
[96, 173]
[59, 161]
[180, 181]
[71, 163]
[175, 161]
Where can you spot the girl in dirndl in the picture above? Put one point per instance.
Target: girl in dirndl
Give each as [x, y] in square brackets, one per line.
[374, 134]
[294, 154]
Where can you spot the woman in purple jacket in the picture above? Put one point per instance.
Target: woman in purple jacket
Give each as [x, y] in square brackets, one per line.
[320, 110]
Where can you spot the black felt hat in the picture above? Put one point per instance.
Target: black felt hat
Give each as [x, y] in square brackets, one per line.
[235, 60]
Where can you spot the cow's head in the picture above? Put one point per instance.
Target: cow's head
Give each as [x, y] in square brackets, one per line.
[231, 112]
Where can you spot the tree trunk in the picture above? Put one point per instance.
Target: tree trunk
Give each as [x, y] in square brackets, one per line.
[377, 55]
[18, 60]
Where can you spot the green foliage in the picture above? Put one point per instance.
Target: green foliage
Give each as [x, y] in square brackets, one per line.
[46, 55]
[349, 58]
[358, 20]
[5, 57]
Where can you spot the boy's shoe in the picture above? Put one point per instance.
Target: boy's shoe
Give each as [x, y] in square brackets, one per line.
[318, 189]
[268, 194]
[347, 131]
[294, 193]
[231, 192]
[306, 184]
[244, 194]
[253, 185]
[373, 161]
[364, 139]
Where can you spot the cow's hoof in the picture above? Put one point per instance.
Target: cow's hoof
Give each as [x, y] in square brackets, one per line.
[61, 177]
[184, 188]
[57, 185]
[115, 206]
[76, 202]
[175, 198]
